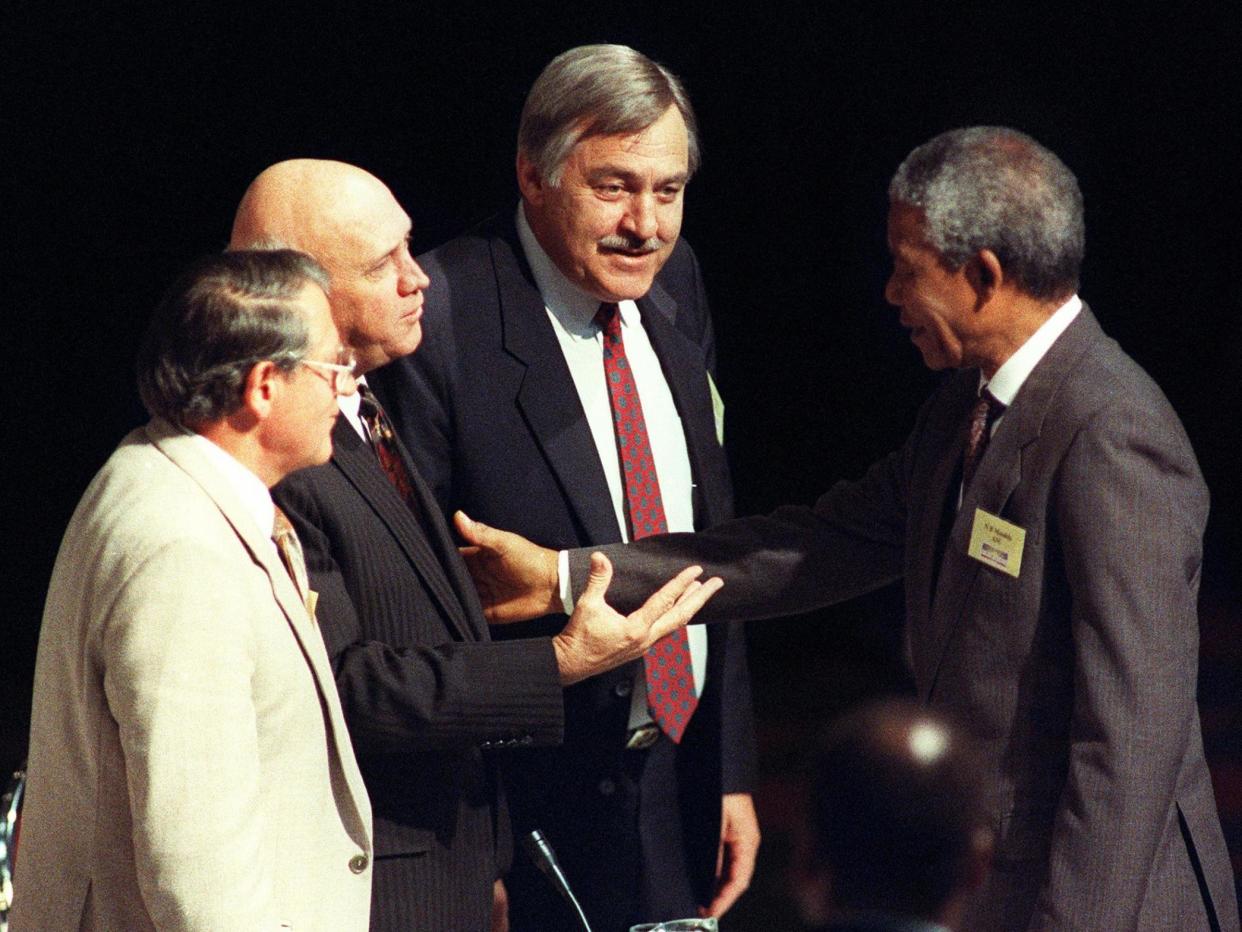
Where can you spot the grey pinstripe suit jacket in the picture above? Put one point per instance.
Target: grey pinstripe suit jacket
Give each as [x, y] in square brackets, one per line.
[1078, 676]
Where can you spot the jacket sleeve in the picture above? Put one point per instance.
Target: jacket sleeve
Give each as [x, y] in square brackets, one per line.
[1130, 510]
[420, 696]
[793, 560]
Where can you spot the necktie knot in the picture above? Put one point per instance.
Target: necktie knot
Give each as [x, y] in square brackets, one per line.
[995, 408]
[373, 416]
[608, 318]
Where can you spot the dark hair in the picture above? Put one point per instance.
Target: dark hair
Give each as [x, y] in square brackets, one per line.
[223, 315]
[597, 90]
[991, 187]
[897, 804]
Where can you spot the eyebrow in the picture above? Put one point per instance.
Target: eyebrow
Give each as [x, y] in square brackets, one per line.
[616, 171]
[382, 258]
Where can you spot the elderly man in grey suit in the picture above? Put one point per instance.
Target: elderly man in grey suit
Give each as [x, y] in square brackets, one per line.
[1047, 515]
[189, 764]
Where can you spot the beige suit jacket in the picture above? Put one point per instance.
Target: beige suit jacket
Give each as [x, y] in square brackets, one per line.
[189, 767]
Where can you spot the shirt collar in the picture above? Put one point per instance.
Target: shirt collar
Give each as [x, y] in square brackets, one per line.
[253, 494]
[572, 307]
[350, 406]
[1004, 385]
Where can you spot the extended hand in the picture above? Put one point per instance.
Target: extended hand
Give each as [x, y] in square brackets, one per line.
[516, 579]
[598, 638]
[735, 860]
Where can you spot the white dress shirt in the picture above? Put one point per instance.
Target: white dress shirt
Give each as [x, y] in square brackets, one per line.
[1005, 383]
[251, 492]
[351, 410]
[572, 313]
[1013, 372]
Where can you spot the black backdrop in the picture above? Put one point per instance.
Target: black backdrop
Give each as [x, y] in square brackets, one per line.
[130, 133]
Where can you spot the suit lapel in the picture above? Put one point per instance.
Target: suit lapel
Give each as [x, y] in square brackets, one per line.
[931, 524]
[358, 463]
[548, 398]
[182, 450]
[682, 362]
[1000, 472]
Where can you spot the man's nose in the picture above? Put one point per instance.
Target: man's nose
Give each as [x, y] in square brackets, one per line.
[412, 278]
[641, 218]
[892, 292]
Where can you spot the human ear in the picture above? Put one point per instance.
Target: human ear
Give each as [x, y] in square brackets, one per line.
[985, 274]
[260, 388]
[530, 183]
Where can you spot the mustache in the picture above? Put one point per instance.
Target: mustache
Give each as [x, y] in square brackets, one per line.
[635, 247]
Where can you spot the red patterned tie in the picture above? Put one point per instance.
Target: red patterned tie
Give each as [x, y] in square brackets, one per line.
[670, 677]
[384, 442]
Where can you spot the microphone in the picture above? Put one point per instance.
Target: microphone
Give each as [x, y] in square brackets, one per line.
[545, 859]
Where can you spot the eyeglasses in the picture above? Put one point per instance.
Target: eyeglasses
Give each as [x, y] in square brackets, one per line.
[341, 377]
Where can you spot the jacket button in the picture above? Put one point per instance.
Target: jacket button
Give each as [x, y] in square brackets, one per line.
[624, 688]
[358, 863]
[607, 787]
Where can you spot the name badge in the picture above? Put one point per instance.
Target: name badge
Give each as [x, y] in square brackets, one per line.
[312, 602]
[996, 543]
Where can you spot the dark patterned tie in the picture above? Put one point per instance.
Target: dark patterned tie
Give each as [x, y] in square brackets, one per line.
[670, 676]
[982, 416]
[384, 443]
[290, 550]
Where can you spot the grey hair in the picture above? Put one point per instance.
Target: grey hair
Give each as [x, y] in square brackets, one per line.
[597, 90]
[219, 318]
[991, 187]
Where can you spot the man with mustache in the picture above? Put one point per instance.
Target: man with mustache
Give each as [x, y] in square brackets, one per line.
[508, 412]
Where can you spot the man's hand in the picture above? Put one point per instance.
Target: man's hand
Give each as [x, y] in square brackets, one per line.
[597, 638]
[735, 860]
[500, 907]
[516, 579]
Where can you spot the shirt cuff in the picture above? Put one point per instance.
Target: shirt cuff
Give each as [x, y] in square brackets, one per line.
[564, 583]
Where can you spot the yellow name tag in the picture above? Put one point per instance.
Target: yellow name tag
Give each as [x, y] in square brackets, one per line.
[996, 543]
[312, 602]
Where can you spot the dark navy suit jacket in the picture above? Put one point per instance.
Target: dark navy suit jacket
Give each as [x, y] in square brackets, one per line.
[490, 413]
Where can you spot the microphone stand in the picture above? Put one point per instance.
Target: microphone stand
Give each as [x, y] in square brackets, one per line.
[545, 859]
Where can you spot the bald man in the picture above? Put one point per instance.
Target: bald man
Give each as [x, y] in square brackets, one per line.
[900, 833]
[423, 689]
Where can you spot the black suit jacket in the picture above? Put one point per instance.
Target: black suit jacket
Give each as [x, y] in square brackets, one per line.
[490, 413]
[423, 689]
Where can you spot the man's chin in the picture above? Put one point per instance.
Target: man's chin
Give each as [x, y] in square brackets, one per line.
[623, 287]
[408, 343]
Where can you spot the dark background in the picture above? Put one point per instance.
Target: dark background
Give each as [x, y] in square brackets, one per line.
[129, 134]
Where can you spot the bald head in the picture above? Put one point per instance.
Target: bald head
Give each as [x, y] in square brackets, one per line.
[349, 221]
[899, 814]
